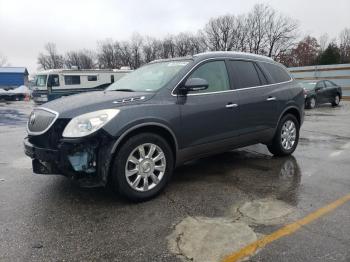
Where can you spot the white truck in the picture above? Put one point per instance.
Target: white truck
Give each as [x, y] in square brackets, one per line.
[52, 84]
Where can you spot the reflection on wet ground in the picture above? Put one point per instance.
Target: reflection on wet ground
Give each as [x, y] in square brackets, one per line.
[10, 115]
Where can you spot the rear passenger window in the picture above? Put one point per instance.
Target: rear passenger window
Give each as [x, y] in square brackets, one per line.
[277, 73]
[216, 75]
[329, 84]
[262, 77]
[246, 72]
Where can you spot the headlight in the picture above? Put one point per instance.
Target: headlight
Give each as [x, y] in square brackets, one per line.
[89, 123]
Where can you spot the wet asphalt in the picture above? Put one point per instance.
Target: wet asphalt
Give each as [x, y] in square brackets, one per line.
[48, 218]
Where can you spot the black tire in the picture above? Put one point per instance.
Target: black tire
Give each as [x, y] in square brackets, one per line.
[118, 176]
[275, 147]
[311, 103]
[336, 100]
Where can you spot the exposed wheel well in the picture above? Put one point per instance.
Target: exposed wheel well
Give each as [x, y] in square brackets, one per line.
[294, 112]
[161, 131]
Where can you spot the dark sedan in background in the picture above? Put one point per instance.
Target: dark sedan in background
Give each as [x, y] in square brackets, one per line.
[320, 92]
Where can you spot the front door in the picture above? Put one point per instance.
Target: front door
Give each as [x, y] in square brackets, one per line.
[209, 116]
[321, 92]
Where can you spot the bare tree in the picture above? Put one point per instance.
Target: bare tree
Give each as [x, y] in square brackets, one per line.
[124, 52]
[51, 59]
[152, 49]
[182, 44]
[84, 59]
[136, 51]
[280, 33]
[108, 56]
[219, 33]
[240, 43]
[262, 31]
[197, 44]
[256, 28]
[323, 41]
[345, 45]
[168, 47]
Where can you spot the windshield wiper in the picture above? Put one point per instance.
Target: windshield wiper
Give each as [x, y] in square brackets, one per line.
[124, 90]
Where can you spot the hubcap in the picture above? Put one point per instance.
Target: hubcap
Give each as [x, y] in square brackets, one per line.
[145, 167]
[288, 135]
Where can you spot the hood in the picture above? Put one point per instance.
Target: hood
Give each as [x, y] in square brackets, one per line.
[71, 106]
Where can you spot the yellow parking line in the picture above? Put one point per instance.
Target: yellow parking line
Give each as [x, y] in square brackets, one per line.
[285, 231]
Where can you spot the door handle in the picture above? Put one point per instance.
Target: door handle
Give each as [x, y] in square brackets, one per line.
[271, 98]
[230, 105]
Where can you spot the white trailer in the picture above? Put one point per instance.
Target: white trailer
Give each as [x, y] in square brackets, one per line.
[55, 83]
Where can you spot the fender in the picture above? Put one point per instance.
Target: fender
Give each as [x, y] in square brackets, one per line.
[291, 106]
[134, 127]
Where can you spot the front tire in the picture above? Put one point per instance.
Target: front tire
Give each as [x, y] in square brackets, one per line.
[286, 137]
[142, 167]
[311, 103]
[336, 100]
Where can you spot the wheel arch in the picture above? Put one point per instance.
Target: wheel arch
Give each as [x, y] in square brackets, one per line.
[294, 111]
[149, 127]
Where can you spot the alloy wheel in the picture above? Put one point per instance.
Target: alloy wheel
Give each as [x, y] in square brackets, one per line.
[288, 135]
[145, 167]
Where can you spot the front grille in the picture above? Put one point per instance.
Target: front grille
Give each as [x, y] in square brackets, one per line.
[51, 138]
[40, 120]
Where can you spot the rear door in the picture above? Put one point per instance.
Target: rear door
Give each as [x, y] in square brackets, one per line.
[331, 91]
[257, 99]
[210, 115]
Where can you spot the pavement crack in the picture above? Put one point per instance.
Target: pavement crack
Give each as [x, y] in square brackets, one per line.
[181, 253]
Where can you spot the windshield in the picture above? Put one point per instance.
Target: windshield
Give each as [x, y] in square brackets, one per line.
[40, 80]
[150, 77]
[308, 85]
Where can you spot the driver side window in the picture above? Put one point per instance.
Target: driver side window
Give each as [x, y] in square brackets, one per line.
[216, 75]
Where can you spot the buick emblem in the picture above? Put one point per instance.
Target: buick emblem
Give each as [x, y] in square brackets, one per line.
[32, 118]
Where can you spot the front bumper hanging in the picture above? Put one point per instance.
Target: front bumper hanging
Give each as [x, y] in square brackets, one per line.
[86, 161]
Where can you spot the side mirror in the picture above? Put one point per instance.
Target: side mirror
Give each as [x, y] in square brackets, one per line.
[195, 84]
[317, 89]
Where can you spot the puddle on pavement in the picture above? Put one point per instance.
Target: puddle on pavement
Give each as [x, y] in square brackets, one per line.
[10, 117]
[266, 211]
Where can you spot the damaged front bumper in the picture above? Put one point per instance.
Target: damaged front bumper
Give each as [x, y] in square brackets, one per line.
[86, 161]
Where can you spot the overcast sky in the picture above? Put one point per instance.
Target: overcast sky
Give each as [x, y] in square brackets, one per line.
[25, 26]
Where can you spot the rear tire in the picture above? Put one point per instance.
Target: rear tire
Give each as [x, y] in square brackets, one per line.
[286, 137]
[311, 103]
[136, 172]
[336, 100]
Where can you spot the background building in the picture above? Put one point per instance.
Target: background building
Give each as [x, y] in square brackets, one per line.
[12, 77]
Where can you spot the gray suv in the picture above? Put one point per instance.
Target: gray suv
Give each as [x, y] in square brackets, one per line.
[132, 135]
